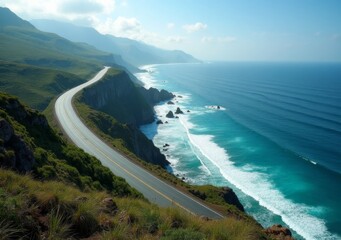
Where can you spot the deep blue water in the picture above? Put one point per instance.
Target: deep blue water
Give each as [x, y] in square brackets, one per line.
[276, 139]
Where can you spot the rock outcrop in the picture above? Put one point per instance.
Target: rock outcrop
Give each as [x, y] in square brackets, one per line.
[170, 115]
[14, 152]
[226, 194]
[131, 136]
[21, 113]
[179, 111]
[279, 232]
[154, 96]
[230, 197]
[145, 148]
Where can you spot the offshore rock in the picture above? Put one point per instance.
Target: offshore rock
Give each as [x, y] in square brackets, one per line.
[179, 111]
[170, 114]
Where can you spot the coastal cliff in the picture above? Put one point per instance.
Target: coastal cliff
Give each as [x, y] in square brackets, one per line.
[127, 137]
[154, 96]
[119, 107]
[117, 96]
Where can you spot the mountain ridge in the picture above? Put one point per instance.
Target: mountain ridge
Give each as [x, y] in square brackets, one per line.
[132, 51]
[22, 43]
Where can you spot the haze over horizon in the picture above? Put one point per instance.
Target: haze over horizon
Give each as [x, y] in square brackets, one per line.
[219, 30]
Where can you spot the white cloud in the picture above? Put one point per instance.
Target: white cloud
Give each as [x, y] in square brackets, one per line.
[95, 13]
[190, 28]
[170, 25]
[81, 7]
[121, 26]
[128, 28]
[62, 9]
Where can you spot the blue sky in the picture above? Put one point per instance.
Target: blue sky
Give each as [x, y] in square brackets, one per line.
[254, 30]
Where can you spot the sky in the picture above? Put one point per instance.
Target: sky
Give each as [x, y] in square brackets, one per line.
[224, 30]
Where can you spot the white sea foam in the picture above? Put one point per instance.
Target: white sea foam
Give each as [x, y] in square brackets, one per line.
[216, 107]
[147, 77]
[257, 185]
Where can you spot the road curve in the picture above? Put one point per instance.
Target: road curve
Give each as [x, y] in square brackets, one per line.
[154, 189]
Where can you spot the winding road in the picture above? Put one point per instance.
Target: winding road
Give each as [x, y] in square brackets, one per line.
[154, 189]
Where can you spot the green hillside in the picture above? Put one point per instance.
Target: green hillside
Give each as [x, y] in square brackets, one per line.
[21, 42]
[35, 85]
[29, 144]
[37, 66]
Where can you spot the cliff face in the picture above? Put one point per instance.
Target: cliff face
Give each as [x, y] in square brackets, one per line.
[145, 148]
[154, 96]
[222, 194]
[15, 151]
[133, 139]
[117, 96]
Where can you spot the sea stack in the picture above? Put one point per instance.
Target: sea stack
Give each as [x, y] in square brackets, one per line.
[170, 114]
[178, 111]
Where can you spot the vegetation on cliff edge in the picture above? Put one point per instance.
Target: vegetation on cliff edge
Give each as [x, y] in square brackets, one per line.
[26, 133]
[30, 209]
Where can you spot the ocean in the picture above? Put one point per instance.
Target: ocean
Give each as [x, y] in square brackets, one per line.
[270, 131]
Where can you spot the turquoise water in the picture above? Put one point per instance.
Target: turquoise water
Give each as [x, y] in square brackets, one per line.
[275, 139]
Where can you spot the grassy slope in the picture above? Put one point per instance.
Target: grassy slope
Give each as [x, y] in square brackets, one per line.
[30, 208]
[37, 66]
[30, 46]
[34, 85]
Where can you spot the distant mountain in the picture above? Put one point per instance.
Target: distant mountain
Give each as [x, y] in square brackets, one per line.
[7, 18]
[134, 52]
[21, 42]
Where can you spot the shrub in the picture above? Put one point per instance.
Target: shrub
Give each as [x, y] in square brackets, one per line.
[58, 228]
[84, 220]
[9, 230]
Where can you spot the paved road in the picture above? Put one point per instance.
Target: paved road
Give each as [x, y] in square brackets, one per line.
[151, 187]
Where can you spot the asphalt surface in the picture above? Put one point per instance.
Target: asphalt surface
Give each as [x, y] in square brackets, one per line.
[154, 189]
